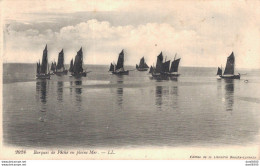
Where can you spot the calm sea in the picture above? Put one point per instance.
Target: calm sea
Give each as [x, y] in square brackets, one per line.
[104, 110]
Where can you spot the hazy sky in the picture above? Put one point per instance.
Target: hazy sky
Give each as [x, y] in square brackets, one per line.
[202, 33]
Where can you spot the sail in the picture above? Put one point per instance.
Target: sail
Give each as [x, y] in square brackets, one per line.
[230, 65]
[175, 65]
[44, 61]
[111, 67]
[141, 64]
[120, 61]
[219, 71]
[60, 64]
[151, 69]
[145, 65]
[166, 66]
[78, 62]
[71, 66]
[159, 63]
[136, 66]
[52, 66]
[38, 68]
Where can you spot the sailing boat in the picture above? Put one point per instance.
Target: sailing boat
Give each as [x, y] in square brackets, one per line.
[53, 67]
[77, 67]
[174, 67]
[219, 72]
[42, 69]
[230, 68]
[160, 68]
[60, 69]
[151, 69]
[112, 67]
[119, 67]
[142, 65]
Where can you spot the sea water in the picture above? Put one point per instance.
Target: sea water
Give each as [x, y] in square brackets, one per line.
[104, 110]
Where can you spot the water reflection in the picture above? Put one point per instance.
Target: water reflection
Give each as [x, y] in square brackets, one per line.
[158, 96]
[41, 88]
[120, 91]
[60, 91]
[174, 96]
[229, 94]
[78, 90]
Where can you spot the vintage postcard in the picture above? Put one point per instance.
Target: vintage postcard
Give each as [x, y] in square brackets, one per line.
[133, 79]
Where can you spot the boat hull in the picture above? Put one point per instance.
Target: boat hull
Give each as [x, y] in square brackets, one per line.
[43, 76]
[60, 73]
[142, 69]
[121, 72]
[160, 76]
[82, 74]
[230, 76]
[173, 75]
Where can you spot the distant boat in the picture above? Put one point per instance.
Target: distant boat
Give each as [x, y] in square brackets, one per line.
[53, 67]
[119, 67]
[219, 72]
[112, 67]
[59, 68]
[151, 69]
[43, 69]
[174, 67]
[142, 65]
[230, 69]
[77, 70]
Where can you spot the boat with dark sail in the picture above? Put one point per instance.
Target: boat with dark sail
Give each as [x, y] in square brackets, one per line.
[142, 65]
[161, 68]
[112, 67]
[43, 69]
[71, 66]
[60, 69]
[229, 69]
[219, 72]
[174, 67]
[77, 70]
[119, 67]
[151, 69]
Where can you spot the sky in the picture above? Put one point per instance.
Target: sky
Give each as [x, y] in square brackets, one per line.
[203, 32]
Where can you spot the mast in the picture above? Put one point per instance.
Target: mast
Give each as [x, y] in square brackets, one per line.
[120, 61]
[230, 65]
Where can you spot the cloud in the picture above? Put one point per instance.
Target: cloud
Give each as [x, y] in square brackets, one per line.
[203, 33]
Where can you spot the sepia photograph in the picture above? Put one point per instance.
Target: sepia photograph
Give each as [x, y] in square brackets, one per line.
[133, 79]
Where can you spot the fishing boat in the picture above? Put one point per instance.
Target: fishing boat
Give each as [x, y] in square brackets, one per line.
[112, 67]
[77, 70]
[142, 65]
[43, 69]
[219, 72]
[53, 67]
[151, 69]
[160, 68]
[229, 69]
[119, 67]
[174, 67]
[60, 69]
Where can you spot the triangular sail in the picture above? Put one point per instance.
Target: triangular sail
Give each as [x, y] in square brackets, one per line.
[145, 65]
[230, 66]
[136, 66]
[219, 71]
[166, 66]
[71, 66]
[175, 65]
[141, 64]
[44, 61]
[60, 64]
[159, 63]
[52, 66]
[151, 69]
[120, 61]
[111, 67]
[38, 68]
[78, 62]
